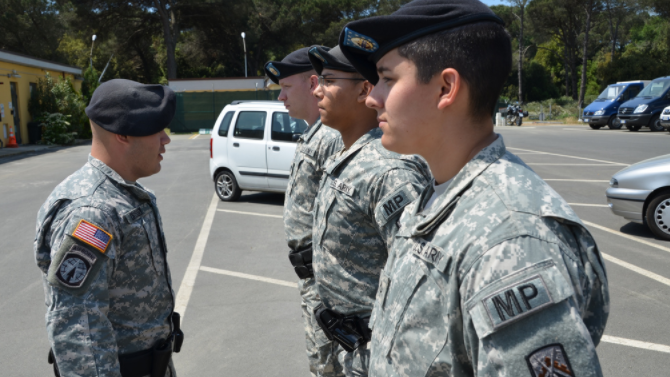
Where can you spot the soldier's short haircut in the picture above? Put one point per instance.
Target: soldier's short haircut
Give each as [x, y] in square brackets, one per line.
[480, 52]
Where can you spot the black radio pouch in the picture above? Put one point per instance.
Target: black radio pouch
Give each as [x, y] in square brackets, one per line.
[350, 332]
[302, 263]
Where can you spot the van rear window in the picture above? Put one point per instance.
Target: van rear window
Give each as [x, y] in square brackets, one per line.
[225, 123]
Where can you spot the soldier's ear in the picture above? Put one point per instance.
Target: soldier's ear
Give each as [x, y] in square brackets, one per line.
[365, 91]
[313, 82]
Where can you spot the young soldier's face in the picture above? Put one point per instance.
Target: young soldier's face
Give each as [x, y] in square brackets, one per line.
[337, 94]
[296, 93]
[407, 110]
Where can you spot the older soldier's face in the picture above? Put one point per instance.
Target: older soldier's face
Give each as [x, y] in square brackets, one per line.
[146, 153]
[407, 110]
[296, 93]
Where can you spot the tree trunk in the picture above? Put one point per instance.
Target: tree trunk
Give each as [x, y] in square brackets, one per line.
[170, 37]
[587, 28]
[521, 57]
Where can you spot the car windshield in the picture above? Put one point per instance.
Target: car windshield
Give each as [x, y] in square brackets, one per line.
[655, 89]
[611, 92]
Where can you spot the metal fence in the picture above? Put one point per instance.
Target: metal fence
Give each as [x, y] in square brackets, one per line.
[196, 110]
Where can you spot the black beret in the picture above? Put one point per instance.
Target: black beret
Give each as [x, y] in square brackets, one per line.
[366, 41]
[294, 63]
[331, 58]
[129, 108]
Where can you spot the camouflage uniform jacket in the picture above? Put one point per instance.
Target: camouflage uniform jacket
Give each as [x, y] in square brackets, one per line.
[498, 278]
[363, 192]
[105, 296]
[314, 147]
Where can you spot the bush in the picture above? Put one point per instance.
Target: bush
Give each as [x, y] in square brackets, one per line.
[56, 129]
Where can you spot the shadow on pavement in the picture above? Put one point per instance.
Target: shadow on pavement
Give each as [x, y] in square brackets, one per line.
[33, 150]
[639, 230]
[270, 198]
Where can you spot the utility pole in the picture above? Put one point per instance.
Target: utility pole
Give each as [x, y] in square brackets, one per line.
[245, 54]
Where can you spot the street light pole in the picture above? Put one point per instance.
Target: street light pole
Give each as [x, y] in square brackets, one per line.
[90, 57]
[245, 54]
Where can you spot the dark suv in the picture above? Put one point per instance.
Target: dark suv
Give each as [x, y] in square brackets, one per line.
[646, 108]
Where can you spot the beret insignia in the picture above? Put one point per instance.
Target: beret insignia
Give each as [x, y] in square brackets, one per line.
[273, 70]
[359, 41]
[316, 53]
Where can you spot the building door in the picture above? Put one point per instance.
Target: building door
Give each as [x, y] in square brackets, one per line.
[15, 110]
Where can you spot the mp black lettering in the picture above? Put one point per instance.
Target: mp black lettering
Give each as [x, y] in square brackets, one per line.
[398, 199]
[389, 208]
[507, 306]
[528, 292]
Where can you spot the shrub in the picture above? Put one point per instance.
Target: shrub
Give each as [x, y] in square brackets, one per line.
[56, 129]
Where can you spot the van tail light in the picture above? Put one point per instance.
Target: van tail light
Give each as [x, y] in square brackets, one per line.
[210, 147]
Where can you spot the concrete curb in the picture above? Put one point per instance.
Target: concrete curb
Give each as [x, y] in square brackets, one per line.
[10, 152]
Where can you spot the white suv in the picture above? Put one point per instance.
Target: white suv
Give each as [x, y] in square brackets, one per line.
[252, 147]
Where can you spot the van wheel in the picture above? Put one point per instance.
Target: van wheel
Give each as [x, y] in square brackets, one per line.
[614, 123]
[658, 216]
[655, 123]
[226, 186]
[594, 126]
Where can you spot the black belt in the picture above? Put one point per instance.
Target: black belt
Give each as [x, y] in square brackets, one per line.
[302, 263]
[349, 331]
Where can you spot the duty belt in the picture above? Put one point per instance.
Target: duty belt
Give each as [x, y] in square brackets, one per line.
[302, 262]
[350, 331]
[152, 362]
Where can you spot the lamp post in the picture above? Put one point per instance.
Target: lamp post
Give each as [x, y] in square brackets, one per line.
[90, 57]
[245, 54]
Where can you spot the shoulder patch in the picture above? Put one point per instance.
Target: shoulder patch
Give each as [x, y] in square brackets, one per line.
[395, 203]
[75, 266]
[517, 301]
[549, 361]
[92, 235]
[342, 186]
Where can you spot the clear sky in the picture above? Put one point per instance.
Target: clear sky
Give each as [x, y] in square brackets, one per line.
[494, 2]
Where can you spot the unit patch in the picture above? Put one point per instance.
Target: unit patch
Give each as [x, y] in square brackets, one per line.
[342, 186]
[359, 41]
[316, 53]
[273, 69]
[549, 361]
[395, 204]
[75, 266]
[92, 235]
[517, 301]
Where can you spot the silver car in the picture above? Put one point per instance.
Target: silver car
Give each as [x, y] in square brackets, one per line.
[641, 193]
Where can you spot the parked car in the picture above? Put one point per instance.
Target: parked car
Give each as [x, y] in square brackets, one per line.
[641, 193]
[603, 111]
[252, 147]
[665, 118]
[645, 109]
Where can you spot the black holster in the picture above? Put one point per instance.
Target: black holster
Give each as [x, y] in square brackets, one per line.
[302, 262]
[350, 331]
[152, 362]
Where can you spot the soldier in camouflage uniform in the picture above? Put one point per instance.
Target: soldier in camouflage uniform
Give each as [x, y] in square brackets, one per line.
[100, 244]
[297, 79]
[363, 192]
[491, 272]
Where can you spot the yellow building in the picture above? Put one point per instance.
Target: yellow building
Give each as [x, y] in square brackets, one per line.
[18, 75]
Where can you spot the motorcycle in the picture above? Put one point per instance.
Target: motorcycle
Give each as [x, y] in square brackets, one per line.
[515, 114]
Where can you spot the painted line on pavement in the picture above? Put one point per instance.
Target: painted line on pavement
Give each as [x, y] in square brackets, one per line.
[187, 283]
[636, 343]
[194, 137]
[251, 213]
[565, 155]
[577, 180]
[634, 268]
[250, 277]
[559, 164]
[588, 205]
[624, 235]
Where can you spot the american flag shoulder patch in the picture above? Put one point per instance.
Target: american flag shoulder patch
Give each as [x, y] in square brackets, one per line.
[92, 235]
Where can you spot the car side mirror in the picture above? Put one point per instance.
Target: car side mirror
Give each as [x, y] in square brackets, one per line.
[296, 137]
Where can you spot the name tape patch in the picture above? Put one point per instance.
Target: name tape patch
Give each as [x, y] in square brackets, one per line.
[75, 266]
[517, 301]
[549, 361]
[428, 252]
[394, 204]
[92, 235]
[342, 186]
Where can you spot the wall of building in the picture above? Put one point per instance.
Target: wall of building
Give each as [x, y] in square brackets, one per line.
[28, 75]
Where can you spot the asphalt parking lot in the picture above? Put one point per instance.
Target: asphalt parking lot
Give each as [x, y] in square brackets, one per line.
[237, 291]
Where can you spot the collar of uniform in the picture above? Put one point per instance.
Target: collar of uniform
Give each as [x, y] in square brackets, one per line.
[443, 204]
[137, 188]
[311, 130]
[373, 134]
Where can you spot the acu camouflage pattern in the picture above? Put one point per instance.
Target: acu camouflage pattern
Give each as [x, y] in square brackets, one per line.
[498, 227]
[313, 149]
[127, 306]
[352, 233]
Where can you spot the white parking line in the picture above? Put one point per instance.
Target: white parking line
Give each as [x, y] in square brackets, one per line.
[565, 155]
[250, 277]
[559, 164]
[194, 137]
[588, 205]
[636, 343]
[251, 213]
[624, 235]
[186, 287]
[576, 180]
[634, 268]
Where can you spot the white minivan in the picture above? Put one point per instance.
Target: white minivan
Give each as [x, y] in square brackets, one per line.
[252, 147]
